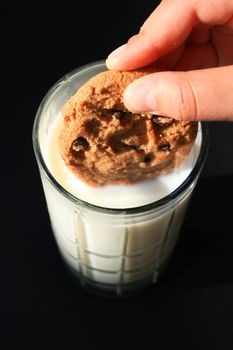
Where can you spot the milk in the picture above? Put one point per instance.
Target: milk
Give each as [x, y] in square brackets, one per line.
[104, 247]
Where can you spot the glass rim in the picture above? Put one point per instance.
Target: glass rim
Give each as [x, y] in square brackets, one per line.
[126, 211]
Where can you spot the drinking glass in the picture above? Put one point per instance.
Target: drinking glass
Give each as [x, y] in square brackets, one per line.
[112, 252]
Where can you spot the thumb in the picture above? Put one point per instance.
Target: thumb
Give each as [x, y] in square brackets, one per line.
[205, 94]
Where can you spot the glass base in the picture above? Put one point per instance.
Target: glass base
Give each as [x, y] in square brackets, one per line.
[115, 291]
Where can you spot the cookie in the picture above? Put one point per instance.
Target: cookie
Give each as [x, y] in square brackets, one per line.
[104, 143]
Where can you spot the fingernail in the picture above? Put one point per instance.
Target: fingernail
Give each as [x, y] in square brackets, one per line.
[116, 52]
[140, 97]
[114, 57]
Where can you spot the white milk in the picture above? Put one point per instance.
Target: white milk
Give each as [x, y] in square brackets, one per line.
[106, 248]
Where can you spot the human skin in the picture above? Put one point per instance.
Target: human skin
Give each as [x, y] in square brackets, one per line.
[191, 41]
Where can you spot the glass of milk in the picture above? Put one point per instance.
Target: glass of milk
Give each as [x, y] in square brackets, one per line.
[116, 240]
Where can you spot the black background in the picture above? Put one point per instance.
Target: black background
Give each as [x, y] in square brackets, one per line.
[192, 305]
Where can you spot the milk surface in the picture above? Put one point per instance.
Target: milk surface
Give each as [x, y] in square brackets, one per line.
[115, 196]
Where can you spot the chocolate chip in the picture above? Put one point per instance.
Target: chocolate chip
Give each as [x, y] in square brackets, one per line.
[148, 158]
[92, 126]
[164, 146]
[80, 144]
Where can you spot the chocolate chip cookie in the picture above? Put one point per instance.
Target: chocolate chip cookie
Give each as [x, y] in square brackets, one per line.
[104, 143]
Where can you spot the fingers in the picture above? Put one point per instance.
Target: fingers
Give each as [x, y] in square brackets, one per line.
[205, 94]
[165, 29]
[200, 34]
[197, 56]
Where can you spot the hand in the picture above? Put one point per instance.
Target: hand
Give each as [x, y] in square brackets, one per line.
[191, 41]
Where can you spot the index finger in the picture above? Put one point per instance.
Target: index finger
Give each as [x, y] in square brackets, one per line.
[165, 29]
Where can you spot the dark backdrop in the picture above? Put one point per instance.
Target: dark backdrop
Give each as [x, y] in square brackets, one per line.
[192, 305]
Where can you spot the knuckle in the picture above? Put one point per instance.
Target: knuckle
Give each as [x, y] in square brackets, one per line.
[187, 106]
